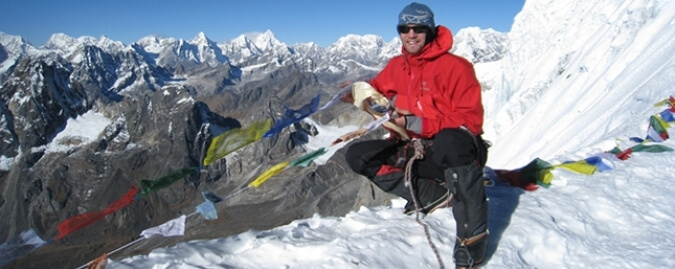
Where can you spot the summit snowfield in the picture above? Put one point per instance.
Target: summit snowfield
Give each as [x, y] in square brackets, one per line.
[578, 78]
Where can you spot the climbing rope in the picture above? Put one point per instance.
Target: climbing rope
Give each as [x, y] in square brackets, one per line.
[419, 153]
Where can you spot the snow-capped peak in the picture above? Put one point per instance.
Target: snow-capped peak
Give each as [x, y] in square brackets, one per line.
[108, 44]
[266, 40]
[201, 39]
[351, 40]
[60, 40]
[480, 45]
[15, 44]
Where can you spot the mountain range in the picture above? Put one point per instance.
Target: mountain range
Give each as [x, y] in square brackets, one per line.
[247, 55]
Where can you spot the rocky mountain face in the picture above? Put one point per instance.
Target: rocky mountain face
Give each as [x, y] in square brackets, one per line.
[164, 100]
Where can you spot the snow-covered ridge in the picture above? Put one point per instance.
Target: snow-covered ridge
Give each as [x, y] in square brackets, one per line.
[566, 61]
[79, 132]
[246, 49]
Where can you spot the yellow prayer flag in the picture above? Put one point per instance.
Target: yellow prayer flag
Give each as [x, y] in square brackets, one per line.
[548, 177]
[235, 139]
[274, 170]
[581, 167]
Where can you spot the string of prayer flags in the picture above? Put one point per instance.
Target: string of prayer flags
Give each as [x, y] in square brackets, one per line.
[626, 154]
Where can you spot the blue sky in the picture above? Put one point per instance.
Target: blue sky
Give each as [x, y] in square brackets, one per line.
[291, 21]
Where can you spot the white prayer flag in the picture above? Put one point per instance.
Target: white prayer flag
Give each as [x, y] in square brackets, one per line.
[174, 227]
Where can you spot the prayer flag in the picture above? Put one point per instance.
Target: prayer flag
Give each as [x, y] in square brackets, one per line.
[650, 148]
[19, 245]
[668, 101]
[99, 263]
[536, 172]
[657, 129]
[603, 164]
[291, 116]
[309, 157]
[668, 115]
[148, 186]
[208, 210]
[581, 167]
[80, 221]
[234, 139]
[174, 227]
[274, 170]
[210, 196]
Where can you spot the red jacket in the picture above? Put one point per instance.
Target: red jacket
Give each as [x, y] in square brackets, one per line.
[434, 85]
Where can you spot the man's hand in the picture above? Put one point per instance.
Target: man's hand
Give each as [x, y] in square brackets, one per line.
[399, 121]
[347, 98]
[398, 117]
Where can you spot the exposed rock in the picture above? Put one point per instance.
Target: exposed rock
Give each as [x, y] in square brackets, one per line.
[152, 134]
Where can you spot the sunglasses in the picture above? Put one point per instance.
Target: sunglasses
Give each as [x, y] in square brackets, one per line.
[418, 29]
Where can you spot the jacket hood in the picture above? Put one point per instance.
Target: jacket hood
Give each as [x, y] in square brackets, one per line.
[439, 46]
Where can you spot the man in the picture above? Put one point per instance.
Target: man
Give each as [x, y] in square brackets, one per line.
[437, 100]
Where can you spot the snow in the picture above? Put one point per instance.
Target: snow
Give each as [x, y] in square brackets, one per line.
[578, 79]
[79, 132]
[327, 134]
[5, 162]
[252, 67]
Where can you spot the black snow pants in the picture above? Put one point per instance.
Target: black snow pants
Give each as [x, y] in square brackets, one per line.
[453, 158]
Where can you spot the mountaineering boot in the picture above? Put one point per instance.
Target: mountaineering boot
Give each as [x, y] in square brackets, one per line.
[470, 210]
[467, 250]
[430, 197]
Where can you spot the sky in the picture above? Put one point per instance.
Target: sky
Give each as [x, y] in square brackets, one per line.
[292, 21]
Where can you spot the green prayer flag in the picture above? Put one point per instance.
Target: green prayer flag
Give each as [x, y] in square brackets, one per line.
[148, 186]
[650, 148]
[309, 157]
[538, 171]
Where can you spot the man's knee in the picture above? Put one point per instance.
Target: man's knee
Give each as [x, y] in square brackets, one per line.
[453, 147]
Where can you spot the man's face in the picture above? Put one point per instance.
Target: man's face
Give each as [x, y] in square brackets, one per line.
[413, 37]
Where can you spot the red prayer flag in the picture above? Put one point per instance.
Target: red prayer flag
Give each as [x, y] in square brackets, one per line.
[99, 263]
[83, 220]
[624, 155]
